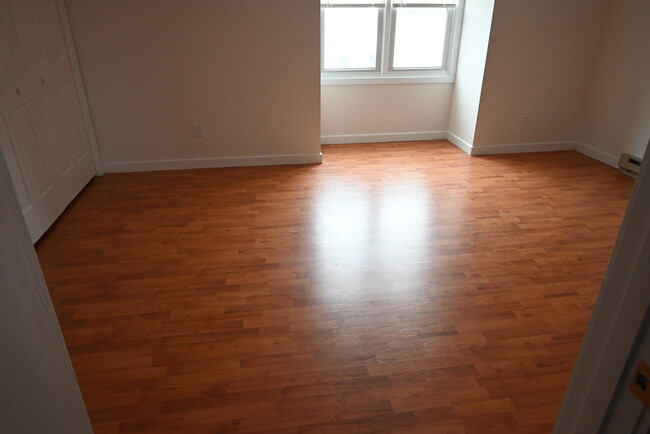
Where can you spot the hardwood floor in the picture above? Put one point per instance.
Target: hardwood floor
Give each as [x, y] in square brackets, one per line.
[396, 287]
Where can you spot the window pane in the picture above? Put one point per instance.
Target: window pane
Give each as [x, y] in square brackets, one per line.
[418, 2]
[350, 38]
[420, 37]
[352, 2]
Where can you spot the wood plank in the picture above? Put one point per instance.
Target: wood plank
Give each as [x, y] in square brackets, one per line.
[400, 287]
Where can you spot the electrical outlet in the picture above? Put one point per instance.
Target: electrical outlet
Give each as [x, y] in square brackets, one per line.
[198, 129]
[553, 117]
[525, 117]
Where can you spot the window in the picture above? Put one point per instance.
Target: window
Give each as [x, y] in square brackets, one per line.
[390, 41]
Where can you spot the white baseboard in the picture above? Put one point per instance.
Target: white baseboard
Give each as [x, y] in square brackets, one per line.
[275, 160]
[204, 163]
[379, 138]
[462, 144]
[518, 148]
[596, 154]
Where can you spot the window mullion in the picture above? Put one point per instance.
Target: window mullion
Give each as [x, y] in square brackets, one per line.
[322, 40]
[448, 37]
[381, 31]
[386, 54]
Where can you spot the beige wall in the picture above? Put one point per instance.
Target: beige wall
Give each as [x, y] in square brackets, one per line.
[248, 70]
[616, 118]
[384, 109]
[541, 57]
[471, 67]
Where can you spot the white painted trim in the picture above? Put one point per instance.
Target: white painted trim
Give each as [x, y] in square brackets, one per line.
[204, 163]
[379, 138]
[271, 160]
[79, 86]
[617, 320]
[517, 148]
[454, 48]
[30, 338]
[383, 73]
[462, 144]
[387, 79]
[597, 154]
[513, 148]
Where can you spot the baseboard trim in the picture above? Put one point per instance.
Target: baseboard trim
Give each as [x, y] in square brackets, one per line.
[518, 148]
[460, 143]
[379, 138]
[290, 159]
[596, 154]
[205, 163]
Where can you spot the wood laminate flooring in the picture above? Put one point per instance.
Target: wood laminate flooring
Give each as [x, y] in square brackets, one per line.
[402, 287]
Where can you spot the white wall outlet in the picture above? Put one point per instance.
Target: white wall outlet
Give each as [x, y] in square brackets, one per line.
[198, 129]
[553, 117]
[525, 117]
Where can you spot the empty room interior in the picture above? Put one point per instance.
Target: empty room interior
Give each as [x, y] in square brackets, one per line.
[299, 216]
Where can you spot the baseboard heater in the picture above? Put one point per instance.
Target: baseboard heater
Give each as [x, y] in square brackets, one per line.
[629, 164]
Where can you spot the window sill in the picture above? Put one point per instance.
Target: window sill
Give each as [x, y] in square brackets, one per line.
[342, 81]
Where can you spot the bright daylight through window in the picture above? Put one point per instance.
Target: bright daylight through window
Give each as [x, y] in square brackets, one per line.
[384, 40]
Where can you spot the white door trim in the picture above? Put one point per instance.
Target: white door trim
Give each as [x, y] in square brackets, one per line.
[617, 320]
[39, 385]
[79, 87]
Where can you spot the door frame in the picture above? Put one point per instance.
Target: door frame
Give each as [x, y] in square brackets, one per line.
[82, 97]
[41, 390]
[616, 322]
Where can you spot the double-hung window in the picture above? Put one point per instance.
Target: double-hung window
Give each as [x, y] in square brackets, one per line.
[377, 41]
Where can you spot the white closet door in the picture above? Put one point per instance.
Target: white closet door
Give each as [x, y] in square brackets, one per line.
[15, 88]
[48, 146]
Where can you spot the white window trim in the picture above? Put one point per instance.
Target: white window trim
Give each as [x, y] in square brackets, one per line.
[387, 76]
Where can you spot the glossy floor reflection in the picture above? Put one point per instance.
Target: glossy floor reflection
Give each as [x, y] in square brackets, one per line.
[362, 228]
[396, 287]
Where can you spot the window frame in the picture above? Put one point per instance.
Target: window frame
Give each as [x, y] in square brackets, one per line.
[381, 12]
[384, 73]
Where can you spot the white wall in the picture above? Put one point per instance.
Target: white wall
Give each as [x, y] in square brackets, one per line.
[541, 57]
[249, 70]
[471, 66]
[353, 113]
[37, 384]
[616, 118]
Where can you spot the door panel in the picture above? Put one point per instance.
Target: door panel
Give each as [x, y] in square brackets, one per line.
[41, 107]
[29, 42]
[15, 82]
[34, 162]
[29, 150]
[23, 21]
[71, 117]
[626, 413]
[58, 70]
[47, 18]
[25, 199]
[6, 56]
[57, 151]
[75, 142]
